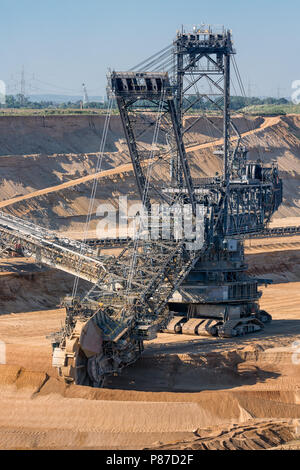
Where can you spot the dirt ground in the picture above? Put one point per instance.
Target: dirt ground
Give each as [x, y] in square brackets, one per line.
[179, 386]
[48, 165]
[185, 392]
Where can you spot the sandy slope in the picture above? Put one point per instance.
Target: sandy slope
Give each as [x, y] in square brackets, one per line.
[254, 435]
[125, 168]
[55, 188]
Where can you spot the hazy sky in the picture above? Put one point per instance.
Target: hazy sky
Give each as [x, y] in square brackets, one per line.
[62, 43]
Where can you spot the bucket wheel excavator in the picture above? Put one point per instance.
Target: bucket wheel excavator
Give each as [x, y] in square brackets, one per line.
[184, 270]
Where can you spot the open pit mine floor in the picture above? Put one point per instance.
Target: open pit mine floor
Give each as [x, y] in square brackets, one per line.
[185, 392]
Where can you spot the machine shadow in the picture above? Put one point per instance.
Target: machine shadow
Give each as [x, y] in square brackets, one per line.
[190, 374]
[195, 366]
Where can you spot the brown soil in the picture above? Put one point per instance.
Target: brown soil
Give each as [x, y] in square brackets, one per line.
[26, 286]
[185, 392]
[255, 435]
[59, 156]
[179, 387]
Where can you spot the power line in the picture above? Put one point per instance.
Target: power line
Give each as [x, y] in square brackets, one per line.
[85, 94]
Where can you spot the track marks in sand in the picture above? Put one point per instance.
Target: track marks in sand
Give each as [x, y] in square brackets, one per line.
[254, 435]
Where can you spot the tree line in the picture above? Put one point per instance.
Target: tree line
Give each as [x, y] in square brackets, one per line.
[236, 102]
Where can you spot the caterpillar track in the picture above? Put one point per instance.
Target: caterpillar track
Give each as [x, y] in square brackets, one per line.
[215, 327]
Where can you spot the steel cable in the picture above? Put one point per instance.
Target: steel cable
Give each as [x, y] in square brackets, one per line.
[93, 192]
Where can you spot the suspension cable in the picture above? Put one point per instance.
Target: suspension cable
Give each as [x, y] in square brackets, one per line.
[93, 193]
[145, 62]
[250, 125]
[146, 189]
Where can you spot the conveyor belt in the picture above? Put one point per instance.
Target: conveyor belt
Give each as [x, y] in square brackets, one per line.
[270, 232]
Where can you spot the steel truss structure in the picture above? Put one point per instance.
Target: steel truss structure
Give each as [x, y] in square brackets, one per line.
[163, 283]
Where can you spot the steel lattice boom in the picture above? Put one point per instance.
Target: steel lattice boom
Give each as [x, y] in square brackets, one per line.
[166, 283]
